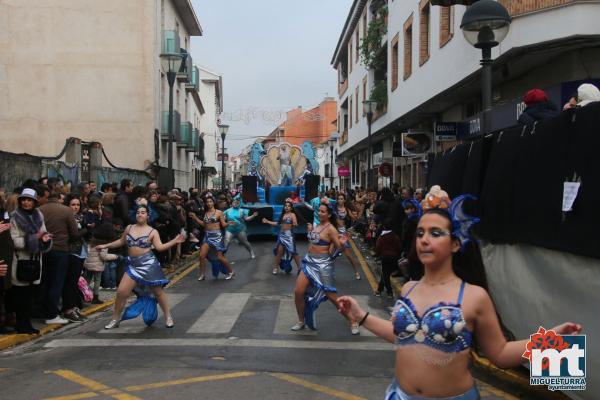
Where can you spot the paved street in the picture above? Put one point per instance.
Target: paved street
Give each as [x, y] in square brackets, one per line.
[231, 340]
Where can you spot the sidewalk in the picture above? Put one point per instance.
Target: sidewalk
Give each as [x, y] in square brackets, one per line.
[174, 272]
[516, 378]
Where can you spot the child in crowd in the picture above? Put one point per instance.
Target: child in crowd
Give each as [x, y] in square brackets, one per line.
[94, 263]
[109, 276]
[388, 248]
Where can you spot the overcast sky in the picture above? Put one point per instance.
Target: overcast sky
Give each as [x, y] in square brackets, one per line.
[274, 55]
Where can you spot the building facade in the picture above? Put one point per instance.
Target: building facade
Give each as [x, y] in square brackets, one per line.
[423, 73]
[92, 71]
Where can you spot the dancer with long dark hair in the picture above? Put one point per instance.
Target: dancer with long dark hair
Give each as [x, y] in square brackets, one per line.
[315, 282]
[285, 248]
[345, 215]
[433, 329]
[213, 223]
[142, 266]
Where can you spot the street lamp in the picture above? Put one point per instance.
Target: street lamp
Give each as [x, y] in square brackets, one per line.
[369, 107]
[170, 62]
[331, 142]
[485, 24]
[223, 130]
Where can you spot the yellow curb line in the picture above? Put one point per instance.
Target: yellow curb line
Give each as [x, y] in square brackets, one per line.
[119, 393]
[316, 387]
[19, 338]
[507, 375]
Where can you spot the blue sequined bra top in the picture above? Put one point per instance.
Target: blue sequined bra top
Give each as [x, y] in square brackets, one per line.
[212, 219]
[315, 238]
[286, 220]
[442, 326]
[140, 241]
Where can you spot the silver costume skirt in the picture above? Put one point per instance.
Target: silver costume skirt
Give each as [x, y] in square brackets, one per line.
[214, 239]
[395, 392]
[145, 270]
[286, 239]
[319, 270]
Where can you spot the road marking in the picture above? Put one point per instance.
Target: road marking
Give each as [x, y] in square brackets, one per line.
[93, 385]
[317, 388]
[137, 325]
[365, 267]
[486, 390]
[367, 344]
[183, 274]
[197, 379]
[286, 317]
[222, 314]
[87, 395]
[363, 302]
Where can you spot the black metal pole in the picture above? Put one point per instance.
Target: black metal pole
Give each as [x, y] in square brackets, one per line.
[171, 80]
[369, 172]
[331, 168]
[486, 88]
[223, 162]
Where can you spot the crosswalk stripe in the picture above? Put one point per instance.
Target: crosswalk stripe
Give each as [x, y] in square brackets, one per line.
[286, 318]
[222, 314]
[363, 302]
[137, 325]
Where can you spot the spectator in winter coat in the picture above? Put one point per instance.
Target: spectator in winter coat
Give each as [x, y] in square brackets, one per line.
[124, 202]
[94, 263]
[538, 107]
[388, 247]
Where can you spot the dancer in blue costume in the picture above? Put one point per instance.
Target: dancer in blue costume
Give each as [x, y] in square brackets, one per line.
[433, 329]
[285, 248]
[315, 282]
[345, 215]
[213, 223]
[236, 218]
[143, 268]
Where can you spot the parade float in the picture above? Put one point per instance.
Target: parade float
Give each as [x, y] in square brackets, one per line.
[274, 174]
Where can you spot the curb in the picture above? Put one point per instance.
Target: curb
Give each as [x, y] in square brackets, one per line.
[510, 376]
[175, 274]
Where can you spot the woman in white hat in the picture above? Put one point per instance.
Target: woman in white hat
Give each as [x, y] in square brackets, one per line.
[30, 239]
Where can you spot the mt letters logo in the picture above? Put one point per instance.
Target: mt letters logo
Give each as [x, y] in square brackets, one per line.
[557, 361]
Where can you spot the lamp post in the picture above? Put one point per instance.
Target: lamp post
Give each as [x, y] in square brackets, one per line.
[170, 62]
[485, 24]
[223, 130]
[331, 142]
[369, 107]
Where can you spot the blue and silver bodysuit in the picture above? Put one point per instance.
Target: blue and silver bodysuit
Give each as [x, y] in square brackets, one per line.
[442, 327]
[319, 270]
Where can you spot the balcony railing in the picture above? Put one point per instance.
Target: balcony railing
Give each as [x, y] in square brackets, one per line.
[184, 139]
[193, 147]
[185, 72]
[164, 130]
[170, 42]
[194, 83]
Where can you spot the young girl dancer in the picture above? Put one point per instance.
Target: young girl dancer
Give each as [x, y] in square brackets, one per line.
[433, 329]
[315, 281]
[236, 218]
[213, 223]
[142, 266]
[344, 217]
[286, 245]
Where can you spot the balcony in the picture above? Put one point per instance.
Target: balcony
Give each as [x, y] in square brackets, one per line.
[522, 7]
[184, 139]
[170, 42]
[193, 147]
[164, 130]
[185, 72]
[194, 82]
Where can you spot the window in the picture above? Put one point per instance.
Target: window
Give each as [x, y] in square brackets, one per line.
[357, 45]
[446, 25]
[408, 47]
[364, 98]
[350, 57]
[424, 31]
[350, 110]
[356, 105]
[364, 21]
[395, 61]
